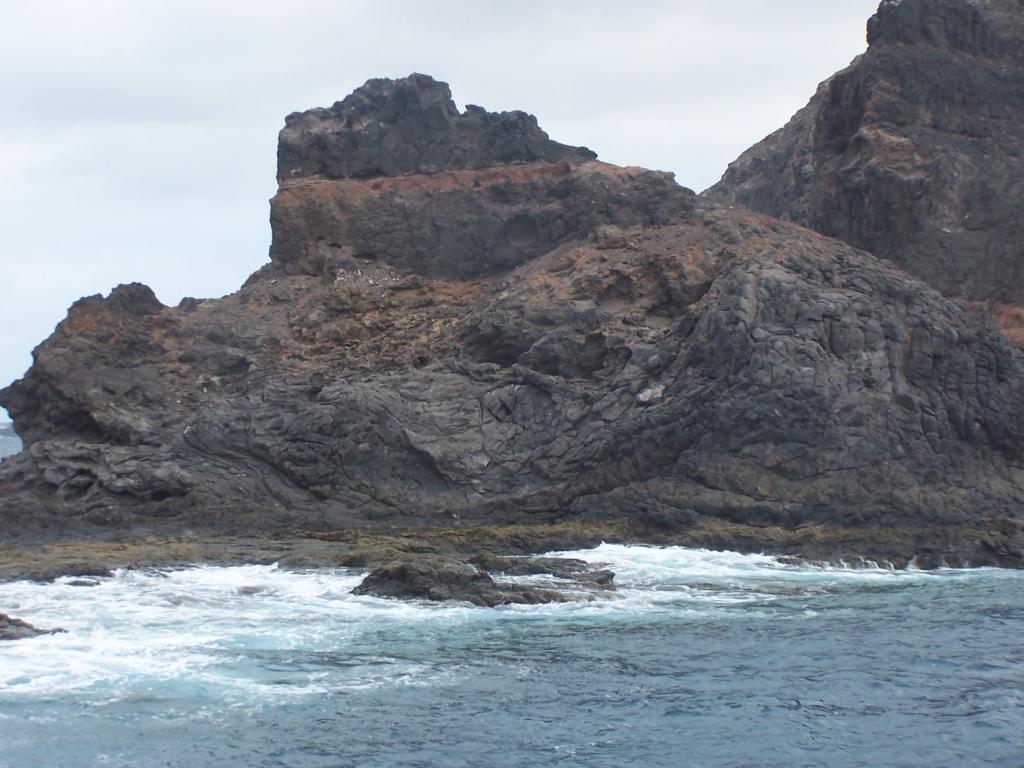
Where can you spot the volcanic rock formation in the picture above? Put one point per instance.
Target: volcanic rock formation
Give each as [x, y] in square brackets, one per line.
[395, 172]
[466, 324]
[915, 152]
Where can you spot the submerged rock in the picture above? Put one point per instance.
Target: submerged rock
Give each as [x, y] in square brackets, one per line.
[395, 173]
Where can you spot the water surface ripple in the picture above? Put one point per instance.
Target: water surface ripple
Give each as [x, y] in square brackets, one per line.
[702, 659]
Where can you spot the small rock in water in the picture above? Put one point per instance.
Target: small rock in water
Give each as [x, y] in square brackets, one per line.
[439, 578]
[251, 589]
[16, 629]
[436, 578]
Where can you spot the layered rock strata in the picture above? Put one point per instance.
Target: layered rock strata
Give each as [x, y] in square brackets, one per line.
[915, 152]
[464, 324]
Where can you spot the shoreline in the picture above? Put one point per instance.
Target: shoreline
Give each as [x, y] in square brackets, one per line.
[48, 557]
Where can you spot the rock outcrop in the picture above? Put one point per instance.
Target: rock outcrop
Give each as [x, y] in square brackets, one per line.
[915, 152]
[16, 629]
[441, 579]
[395, 173]
[464, 324]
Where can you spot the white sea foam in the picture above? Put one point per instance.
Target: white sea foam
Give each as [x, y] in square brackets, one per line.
[259, 632]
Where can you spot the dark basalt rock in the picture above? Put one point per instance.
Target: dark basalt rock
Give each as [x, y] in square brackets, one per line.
[16, 629]
[915, 152]
[569, 569]
[441, 579]
[396, 172]
[655, 364]
[463, 225]
[406, 126]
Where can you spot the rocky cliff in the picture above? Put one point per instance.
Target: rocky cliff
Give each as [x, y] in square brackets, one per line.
[465, 324]
[915, 152]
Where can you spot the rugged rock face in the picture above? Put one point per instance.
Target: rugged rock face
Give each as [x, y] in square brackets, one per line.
[566, 342]
[440, 578]
[915, 152]
[410, 126]
[395, 172]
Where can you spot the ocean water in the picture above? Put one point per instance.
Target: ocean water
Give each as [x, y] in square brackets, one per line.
[700, 659]
[9, 442]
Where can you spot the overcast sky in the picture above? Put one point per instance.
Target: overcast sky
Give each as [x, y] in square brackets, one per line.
[138, 138]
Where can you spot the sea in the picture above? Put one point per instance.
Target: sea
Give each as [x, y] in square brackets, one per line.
[9, 441]
[699, 659]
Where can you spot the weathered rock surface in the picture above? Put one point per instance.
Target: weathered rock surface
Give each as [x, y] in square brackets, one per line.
[570, 343]
[441, 579]
[16, 629]
[395, 172]
[410, 126]
[915, 152]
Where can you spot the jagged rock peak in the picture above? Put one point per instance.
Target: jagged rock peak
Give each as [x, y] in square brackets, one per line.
[134, 299]
[394, 173]
[987, 27]
[409, 125]
[914, 152]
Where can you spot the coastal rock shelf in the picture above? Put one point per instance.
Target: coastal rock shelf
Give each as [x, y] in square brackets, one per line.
[466, 326]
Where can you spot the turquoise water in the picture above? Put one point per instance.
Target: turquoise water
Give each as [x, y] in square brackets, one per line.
[702, 659]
